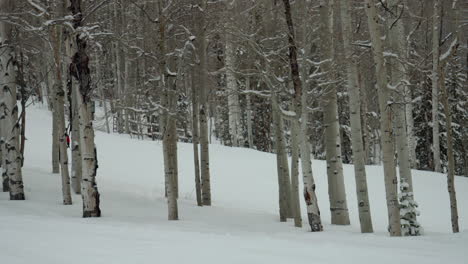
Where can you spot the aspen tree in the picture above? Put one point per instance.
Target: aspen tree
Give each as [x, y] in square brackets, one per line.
[435, 83]
[203, 97]
[336, 187]
[9, 109]
[80, 71]
[391, 182]
[362, 195]
[59, 113]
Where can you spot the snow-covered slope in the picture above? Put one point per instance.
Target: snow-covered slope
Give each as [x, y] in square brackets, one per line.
[242, 226]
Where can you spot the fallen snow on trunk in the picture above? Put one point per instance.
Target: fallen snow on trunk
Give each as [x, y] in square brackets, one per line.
[242, 226]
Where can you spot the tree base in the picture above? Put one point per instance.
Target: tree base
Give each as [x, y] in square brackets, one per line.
[94, 213]
[17, 197]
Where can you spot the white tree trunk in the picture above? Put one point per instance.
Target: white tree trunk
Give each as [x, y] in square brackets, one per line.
[55, 138]
[313, 211]
[170, 158]
[89, 189]
[204, 143]
[310, 197]
[296, 207]
[284, 184]
[435, 84]
[365, 219]
[59, 107]
[196, 142]
[336, 187]
[80, 71]
[9, 110]
[76, 167]
[249, 113]
[235, 129]
[399, 80]
[59, 113]
[450, 157]
[391, 183]
[3, 171]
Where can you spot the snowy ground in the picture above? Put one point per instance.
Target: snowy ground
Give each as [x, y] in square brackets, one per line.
[241, 227]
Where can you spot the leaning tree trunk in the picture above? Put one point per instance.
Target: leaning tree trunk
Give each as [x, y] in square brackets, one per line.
[391, 182]
[362, 195]
[336, 187]
[80, 71]
[435, 84]
[59, 113]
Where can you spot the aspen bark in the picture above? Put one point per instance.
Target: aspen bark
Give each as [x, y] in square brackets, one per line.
[76, 167]
[3, 171]
[59, 112]
[399, 80]
[9, 111]
[450, 157]
[336, 187]
[249, 114]
[435, 84]
[297, 101]
[3, 150]
[313, 211]
[170, 128]
[55, 138]
[196, 142]
[204, 143]
[284, 184]
[235, 129]
[80, 71]
[295, 173]
[310, 197]
[362, 195]
[391, 182]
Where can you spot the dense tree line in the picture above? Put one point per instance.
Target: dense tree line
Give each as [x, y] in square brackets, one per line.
[359, 82]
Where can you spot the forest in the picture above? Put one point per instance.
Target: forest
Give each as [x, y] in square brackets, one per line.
[196, 101]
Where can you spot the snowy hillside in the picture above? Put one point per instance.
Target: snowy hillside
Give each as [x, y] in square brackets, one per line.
[242, 226]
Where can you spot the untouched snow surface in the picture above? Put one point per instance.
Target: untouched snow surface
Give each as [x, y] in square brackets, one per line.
[241, 227]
